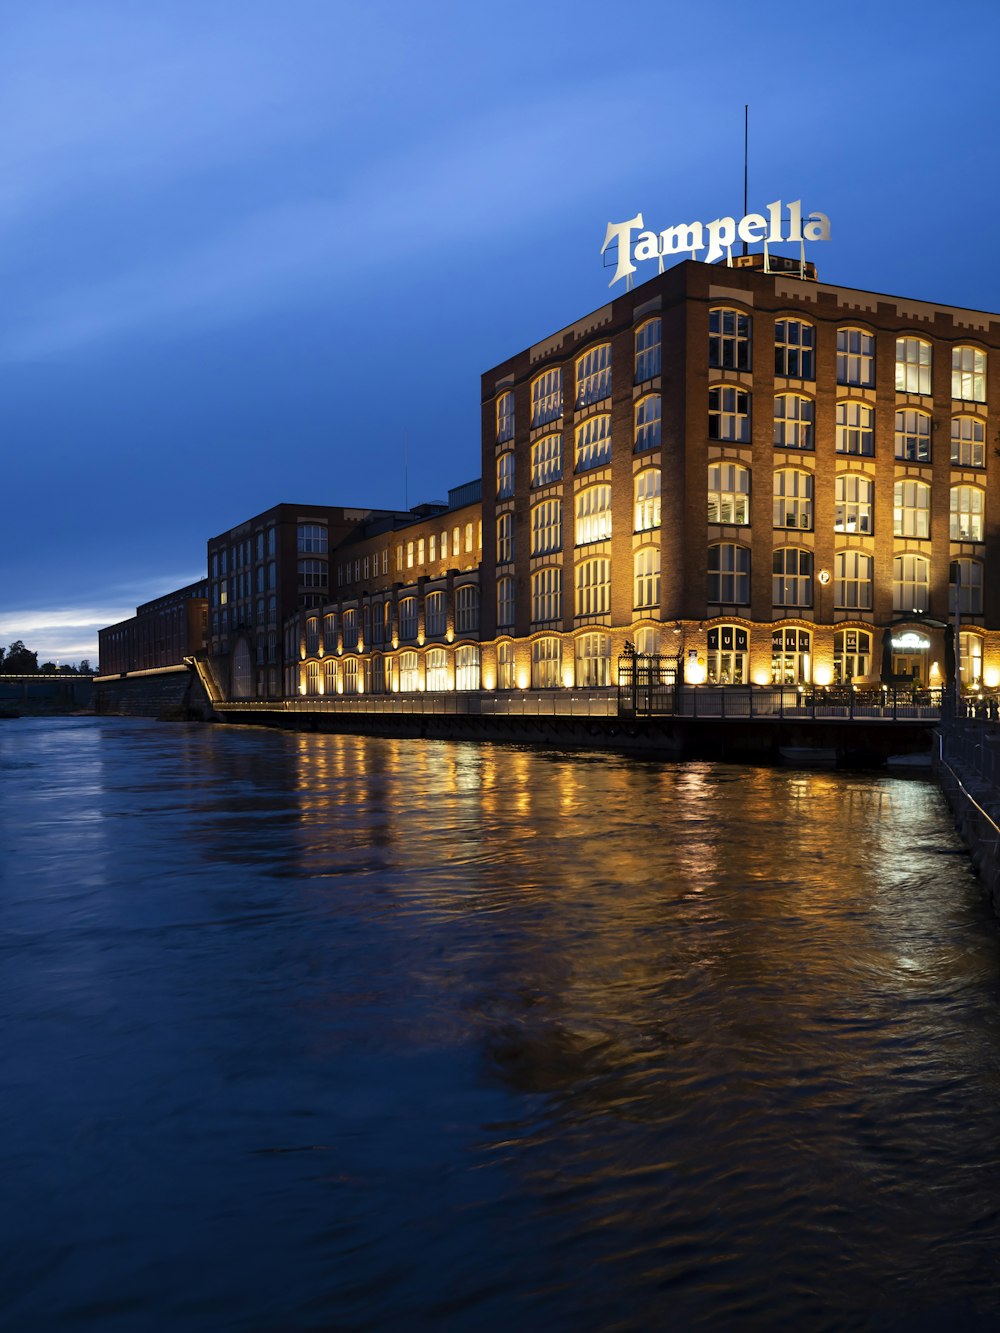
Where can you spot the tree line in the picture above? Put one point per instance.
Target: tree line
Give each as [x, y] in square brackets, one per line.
[19, 660]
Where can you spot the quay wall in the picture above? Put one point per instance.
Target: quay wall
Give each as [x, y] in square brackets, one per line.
[169, 694]
[967, 766]
[44, 696]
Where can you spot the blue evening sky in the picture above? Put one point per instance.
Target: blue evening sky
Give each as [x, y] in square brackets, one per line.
[253, 250]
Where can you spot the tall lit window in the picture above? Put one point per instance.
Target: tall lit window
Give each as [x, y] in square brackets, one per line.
[852, 581]
[313, 678]
[728, 493]
[407, 618]
[853, 499]
[376, 674]
[593, 588]
[794, 417]
[647, 423]
[593, 514]
[646, 581]
[910, 583]
[593, 375]
[647, 641]
[913, 435]
[728, 414]
[312, 636]
[966, 514]
[855, 358]
[435, 614]
[330, 676]
[546, 398]
[855, 428]
[792, 584]
[506, 667]
[793, 499]
[593, 442]
[546, 460]
[647, 351]
[505, 416]
[794, 349]
[505, 602]
[911, 509]
[852, 655]
[350, 629]
[968, 442]
[312, 539]
[913, 365]
[330, 633]
[444, 545]
[505, 538]
[728, 340]
[965, 586]
[467, 609]
[968, 374]
[646, 490]
[467, 667]
[505, 475]
[436, 669]
[791, 656]
[728, 658]
[546, 595]
[546, 527]
[546, 664]
[593, 661]
[409, 672]
[970, 647]
[728, 574]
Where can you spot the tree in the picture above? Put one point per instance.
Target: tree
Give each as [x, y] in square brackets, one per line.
[20, 660]
[85, 668]
[48, 669]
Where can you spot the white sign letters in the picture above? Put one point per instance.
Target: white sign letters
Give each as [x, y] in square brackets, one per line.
[718, 236]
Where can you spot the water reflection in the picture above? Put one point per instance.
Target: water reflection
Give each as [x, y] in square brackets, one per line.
[361, 1033]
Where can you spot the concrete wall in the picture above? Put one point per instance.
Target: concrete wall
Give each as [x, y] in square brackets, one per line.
[41, 695]
[171, 694]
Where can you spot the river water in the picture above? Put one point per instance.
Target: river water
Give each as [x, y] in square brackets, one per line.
[320, 1032]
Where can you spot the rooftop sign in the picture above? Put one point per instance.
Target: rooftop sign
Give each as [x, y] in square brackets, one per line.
[717, 237]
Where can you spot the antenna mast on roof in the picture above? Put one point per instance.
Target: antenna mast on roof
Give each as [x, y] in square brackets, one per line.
[746, 142]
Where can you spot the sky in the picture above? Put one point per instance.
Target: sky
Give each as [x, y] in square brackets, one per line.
[256, 253]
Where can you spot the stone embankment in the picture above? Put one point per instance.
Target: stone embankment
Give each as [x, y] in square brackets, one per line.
[169, 694]
[967, 763]
[45, 696]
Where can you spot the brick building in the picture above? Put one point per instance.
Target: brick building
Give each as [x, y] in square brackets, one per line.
[161, 633]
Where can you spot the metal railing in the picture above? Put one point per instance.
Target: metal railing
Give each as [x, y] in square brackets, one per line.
[451, 703]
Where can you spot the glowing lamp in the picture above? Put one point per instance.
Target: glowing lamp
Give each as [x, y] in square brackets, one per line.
[822, 675]
[762, 677]
[522, 681]
[488, 682]
[568, 678]
[695, 674]
[991, 678]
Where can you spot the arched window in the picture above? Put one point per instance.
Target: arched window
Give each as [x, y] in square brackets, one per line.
[794, 417]
[728, 339]
[505, 475]
[467, 609]
[852, 581]
[546, 527]
[966, 514]
[546, 594]
[794, 349]
[647, 578]
[593, 588]
[968, 374]
[647, 423]
[376, 674]
[546, 664]
[546, 398]
[853, 496]
[791, 656]
[646, 487]
[855, 432]
[647, 641]
[728, 493]
[312, 636]
[913, 435]
[593, 442]
[852, 655]
[911, 508]
[505, 602]
[505, 539]
[506, 674]
[436, 667]
[330, 676]
[350, 676]
[729, 414]
[593, 661]
[407, 619]
[728, 574]
[435, 614]
[409, 672]
[467, 667]
[593, 375]
[968, 442]
[350, 624]
[970, 658]
[505, 416]
[965, 587]
[793, 499]
[913, 365]
[728, 658]
[546, 466]
[910, 583]
[313, 682]
[593, 514]
[791, 584]
[647, 351]
[855, 358]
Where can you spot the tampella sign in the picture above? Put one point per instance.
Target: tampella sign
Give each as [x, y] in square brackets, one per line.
[784, 224]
